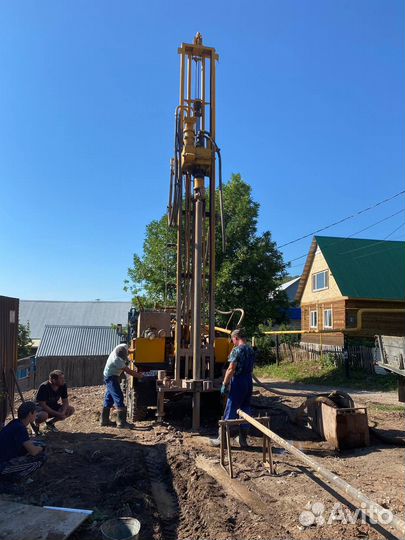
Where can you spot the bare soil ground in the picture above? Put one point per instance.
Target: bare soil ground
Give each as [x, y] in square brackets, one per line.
[170, 479]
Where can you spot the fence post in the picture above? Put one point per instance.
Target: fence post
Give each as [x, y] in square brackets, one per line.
[277, 350]
[346, 357]
[370, 360]
[346, 362]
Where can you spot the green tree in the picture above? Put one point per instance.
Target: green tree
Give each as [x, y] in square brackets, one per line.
[248, 272]
[152, 279]
[24, 342]
[251, 269]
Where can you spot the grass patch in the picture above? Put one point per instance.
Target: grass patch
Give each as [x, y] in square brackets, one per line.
[386, 408]
[323, 372]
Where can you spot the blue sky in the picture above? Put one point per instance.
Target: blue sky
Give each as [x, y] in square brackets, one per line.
[310, 111]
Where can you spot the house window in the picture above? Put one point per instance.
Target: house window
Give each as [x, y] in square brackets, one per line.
[351, 319]
[313, 315]
[320, 281]
[327, 318]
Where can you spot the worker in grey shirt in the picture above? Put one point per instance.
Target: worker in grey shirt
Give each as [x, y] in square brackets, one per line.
[117, 363]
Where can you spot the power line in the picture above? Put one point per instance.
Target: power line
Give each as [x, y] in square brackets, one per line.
[379, 242]
[373, 244]
[358, 232]
[342, 220]
[363, 247]
[393, 232]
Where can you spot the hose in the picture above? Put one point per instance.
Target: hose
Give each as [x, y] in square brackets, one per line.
[231, 313]
[280, 392]
[221, 198]
[175, 175]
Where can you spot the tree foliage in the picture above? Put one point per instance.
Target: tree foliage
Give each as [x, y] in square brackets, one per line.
[289, 277]
[251, 269]
[24, 342]
[248, 272]
[152, 279]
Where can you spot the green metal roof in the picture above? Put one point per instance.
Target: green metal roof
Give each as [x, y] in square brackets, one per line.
[366, 268]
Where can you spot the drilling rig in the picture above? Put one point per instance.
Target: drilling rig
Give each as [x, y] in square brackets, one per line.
[184, 352]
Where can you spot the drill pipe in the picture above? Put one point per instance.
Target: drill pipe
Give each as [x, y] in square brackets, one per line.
[370, 507]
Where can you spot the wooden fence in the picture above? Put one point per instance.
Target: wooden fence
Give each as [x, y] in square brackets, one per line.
[359, 357]
[78, 370]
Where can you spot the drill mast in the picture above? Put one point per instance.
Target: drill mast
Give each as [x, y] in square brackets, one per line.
[192, 212]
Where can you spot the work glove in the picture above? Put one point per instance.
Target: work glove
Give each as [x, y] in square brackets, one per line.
[224, 389]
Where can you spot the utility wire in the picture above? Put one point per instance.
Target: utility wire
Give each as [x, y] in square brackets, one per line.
[373, 244]
[367, 254]
[342, 220]
[393, 232]
[358, 232]
[363, 247]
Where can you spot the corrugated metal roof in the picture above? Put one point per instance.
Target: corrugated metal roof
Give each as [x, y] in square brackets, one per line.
[366, 268]
[362, 268]
[41, 312]
[77, 341]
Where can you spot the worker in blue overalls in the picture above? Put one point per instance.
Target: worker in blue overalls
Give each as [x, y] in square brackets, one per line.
[237, 384]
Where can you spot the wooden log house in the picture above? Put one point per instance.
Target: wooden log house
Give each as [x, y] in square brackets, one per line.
[352, 288]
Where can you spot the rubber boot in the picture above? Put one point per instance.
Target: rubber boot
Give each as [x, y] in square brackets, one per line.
[241, 439]
[216, 442]
[105, 417]
[122, 419]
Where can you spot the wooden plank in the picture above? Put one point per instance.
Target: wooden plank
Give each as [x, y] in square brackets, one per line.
[8, 348]
[24, 521]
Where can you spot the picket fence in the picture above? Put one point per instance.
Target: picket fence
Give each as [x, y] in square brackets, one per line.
[359, 356]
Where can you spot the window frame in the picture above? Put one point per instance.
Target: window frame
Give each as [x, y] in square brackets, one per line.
[311, 311]
[331, 317]
[314, 276]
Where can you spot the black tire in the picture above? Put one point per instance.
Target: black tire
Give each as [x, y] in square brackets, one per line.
[135, 412]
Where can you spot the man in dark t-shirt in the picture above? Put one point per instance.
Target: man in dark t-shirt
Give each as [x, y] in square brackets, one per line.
[20, 455]
[52, 401]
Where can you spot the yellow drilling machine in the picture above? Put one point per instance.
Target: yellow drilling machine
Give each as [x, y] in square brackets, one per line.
[181, 350]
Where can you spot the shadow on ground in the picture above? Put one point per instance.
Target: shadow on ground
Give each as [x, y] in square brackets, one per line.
[111, 476]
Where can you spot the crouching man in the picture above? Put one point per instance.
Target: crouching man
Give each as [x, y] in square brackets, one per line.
[52, 401]
[20, 455]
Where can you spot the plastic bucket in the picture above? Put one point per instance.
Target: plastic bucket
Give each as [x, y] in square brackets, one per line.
[124, 528]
